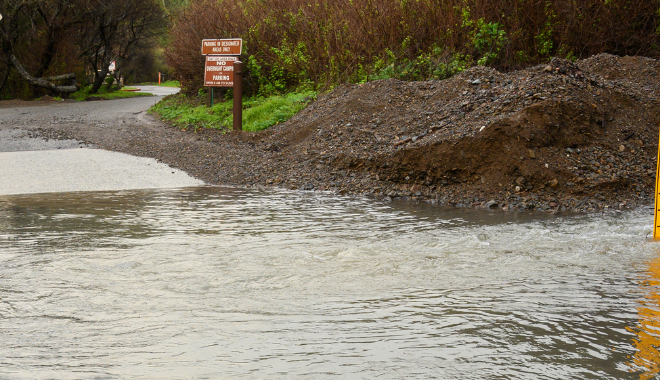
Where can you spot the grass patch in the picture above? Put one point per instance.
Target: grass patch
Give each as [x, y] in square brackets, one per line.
[259, 113]
[103, 93]
[169, 83]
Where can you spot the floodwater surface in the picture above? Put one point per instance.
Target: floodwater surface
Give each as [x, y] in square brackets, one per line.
[212, 283]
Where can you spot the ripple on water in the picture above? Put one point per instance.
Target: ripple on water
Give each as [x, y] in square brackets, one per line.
[221, 282]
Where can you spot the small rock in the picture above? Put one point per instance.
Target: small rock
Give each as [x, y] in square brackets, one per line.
[548, 69]
[517, 189]
[553, 183]
[622, 148]
[531, 153]
[491, 204]
[476, 81]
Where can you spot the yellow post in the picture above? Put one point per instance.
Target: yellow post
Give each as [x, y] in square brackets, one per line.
[656, 227]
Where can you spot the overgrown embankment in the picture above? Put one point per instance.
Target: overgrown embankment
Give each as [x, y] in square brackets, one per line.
[290, 44]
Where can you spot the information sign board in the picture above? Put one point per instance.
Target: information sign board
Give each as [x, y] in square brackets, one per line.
[219, 71]
[230, 46]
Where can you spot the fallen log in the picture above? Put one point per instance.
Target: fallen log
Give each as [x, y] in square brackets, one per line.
[47, 83]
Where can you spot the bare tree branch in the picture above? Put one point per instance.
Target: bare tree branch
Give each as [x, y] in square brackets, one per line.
[44, 82]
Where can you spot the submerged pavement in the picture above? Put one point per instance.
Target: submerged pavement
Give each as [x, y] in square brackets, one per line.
[50, 171]
[31, 165]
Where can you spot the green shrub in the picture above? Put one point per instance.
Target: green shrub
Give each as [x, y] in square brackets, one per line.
[259, 112]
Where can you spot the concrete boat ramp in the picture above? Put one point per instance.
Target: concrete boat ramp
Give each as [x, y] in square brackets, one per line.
[34, 165]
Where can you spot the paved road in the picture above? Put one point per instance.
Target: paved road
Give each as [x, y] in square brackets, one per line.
[32, 161]
[157, 90]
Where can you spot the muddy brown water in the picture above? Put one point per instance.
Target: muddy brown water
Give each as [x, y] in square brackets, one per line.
[212, 283]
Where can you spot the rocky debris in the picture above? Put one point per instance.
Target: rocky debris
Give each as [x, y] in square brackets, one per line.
[579, 136]
[563, 136]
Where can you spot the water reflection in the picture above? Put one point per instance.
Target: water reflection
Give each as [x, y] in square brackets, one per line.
[647, 341]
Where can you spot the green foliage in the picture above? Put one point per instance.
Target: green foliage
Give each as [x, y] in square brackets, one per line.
[522, 57]
[487, 38]
[434, 64]
[258, 112]
[294, 44]
[104, 93]
[287, 68]
[261, 113]
[544, 38]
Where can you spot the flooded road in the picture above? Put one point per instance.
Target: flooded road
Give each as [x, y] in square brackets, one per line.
[232, 283]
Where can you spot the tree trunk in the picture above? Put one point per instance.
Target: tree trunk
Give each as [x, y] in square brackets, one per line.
[98, 81]
[5, 79]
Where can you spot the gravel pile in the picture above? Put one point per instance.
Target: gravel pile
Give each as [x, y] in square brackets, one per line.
[563, 136]
[560, 137]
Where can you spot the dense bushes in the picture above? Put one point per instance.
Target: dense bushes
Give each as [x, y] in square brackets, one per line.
[319, 43]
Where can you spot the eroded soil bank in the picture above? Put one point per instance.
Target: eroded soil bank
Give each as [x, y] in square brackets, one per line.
[565, 136]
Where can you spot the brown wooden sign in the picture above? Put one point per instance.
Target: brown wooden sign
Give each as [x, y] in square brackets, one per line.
[219, 71]
[230, 46]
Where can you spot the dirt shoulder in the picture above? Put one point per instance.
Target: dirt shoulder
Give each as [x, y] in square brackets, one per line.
[559, 137]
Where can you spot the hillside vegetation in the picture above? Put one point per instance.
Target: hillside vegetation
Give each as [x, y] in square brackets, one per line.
[289, 44]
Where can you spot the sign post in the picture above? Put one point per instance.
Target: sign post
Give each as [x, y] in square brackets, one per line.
[223, 69]
[656, 222]
[238, 96]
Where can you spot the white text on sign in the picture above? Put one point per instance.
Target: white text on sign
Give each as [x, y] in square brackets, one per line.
[219, 71]
[232, 46]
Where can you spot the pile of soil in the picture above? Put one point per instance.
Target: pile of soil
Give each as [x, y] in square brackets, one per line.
[565, 136]
[579, 136]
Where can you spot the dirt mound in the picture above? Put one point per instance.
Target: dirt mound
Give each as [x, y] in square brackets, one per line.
[579, 136]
